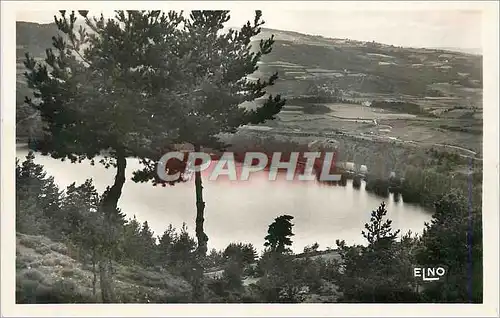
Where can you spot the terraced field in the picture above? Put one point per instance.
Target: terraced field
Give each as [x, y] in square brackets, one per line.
[423, 95]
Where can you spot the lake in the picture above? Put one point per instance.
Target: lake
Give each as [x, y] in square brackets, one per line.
[240, 211]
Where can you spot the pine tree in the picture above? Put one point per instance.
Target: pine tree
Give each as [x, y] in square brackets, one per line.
[132, 241]
[90, 97]
[79, 204]
[240, 253]
[447, 241]
[84, 223]
[379, 232]
[215, 68]
[94, 95]
[279, 233]
[378, 272]
[215, 76]
[214, 259]
[148, 244]
[38, 200]
[183, 258]
[164, 248]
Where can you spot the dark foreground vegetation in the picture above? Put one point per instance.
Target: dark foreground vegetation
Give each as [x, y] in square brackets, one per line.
[61, 244]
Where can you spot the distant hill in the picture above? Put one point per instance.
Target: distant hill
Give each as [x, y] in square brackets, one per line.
[474, 51]
[304, 60]
[362, 69]
[366, 67]
[34, 38]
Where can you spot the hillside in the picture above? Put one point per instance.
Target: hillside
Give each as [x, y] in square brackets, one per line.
[356, 67]
[428, 95]
[47, 272]
[369, 68]
[33, 38]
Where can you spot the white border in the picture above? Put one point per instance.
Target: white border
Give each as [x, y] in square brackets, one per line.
[490, 162]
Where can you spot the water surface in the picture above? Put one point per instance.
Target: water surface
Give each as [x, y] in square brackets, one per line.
[240, 211]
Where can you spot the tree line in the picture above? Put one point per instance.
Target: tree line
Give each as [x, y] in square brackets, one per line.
[379, 271]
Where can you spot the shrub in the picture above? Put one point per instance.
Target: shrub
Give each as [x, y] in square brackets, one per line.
[403, 107]
[34, 275]
[343, 179]
[66, 291]
[291, 294]
[250, 271]
[59, 248]
[356, 182]
[35, 264]
[26, 291]
[136, 294]
[378, 186]
[30, 289]
[68, 272]
[232, 276]
[316, 109]
[395, 185]
[24, 260]
[217, 286]
[251, 294]
[44, 250]
[177, 299]
[279, 282]
[53, 260]
[30, 242]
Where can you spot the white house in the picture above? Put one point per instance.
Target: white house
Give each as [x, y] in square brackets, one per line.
[363, 169]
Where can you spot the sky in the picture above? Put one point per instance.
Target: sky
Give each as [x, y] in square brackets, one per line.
[422, 28]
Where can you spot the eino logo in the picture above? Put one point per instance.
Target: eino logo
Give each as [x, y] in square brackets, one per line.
[429, 274]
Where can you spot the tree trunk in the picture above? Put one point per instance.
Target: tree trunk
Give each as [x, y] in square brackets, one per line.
[107, 293]
[109, 205]
[113, 194]
[198, 286]
[200, 210]
[94, 272]
[197, 281]
[110, 264]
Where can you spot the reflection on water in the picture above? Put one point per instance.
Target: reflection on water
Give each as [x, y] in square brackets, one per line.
[242, 210]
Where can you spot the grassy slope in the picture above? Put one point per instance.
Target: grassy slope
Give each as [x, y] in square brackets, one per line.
[44, 265]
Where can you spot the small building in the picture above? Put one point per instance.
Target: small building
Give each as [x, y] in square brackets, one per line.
[350, 166]
[363, 169]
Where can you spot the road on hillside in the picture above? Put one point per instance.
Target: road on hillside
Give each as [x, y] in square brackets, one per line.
[371, 137]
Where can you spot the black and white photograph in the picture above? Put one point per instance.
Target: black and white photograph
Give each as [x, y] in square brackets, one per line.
[182, 153]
